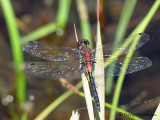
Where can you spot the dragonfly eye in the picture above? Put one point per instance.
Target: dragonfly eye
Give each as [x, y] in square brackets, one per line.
[83, 42]
[86, 42]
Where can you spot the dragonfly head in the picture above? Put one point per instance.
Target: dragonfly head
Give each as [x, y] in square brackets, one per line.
[83, 42]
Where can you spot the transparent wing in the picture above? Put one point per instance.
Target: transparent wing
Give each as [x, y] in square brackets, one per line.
[55, 70]
[51, 53]
[108, 48]
[136, 64]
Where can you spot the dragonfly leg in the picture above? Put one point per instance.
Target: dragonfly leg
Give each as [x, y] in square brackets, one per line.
[82, 65]
[93, 62]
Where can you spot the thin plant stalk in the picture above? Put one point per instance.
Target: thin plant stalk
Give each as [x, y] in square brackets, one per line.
[127, 11]
[140, 28]
[16, 50]
[63, 12]
[60, 22]
[24, 116]
[84, 21]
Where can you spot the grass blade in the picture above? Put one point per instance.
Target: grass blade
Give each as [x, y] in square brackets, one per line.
[16, 49]
[99, 69]
[88, 97]
[122, 27]
[156, 115]
[140, 28]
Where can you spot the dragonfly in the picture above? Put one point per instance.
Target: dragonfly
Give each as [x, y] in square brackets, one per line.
[70, 63]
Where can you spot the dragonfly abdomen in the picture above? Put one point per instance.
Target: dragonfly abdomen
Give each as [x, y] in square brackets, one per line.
[88, 66]
[94, 91]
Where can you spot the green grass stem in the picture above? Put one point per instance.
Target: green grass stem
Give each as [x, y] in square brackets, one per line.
[126, 14]
[63, 13]
[40, 32]
[24, 116]
[140, 28]
[55, 103]
[16, 49]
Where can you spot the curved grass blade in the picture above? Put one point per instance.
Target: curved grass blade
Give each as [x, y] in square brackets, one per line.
[122, 26]
[61, 21]
[55, 103]
[16, 49]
